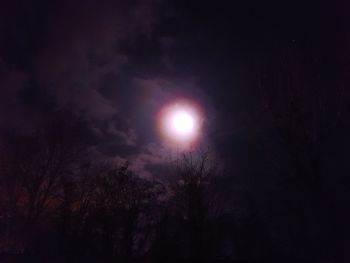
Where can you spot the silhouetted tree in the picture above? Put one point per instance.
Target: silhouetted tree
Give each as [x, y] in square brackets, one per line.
[303, 92]
[37, 165]
[193, 198]
[116, 212]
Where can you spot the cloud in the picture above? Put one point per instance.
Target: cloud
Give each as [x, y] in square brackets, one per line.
[83, 47]
[150, 155]
[59, 53]
[128, 137]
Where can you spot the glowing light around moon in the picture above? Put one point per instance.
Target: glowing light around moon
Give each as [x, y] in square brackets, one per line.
[180, 123]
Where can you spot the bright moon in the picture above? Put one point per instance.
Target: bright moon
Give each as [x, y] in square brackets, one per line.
[183, 122]
[179, 122]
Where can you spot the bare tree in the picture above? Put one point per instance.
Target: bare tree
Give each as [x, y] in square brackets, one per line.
[304, 98]
[305, 105]
[122, 211]
[39, 162]
[193, 196]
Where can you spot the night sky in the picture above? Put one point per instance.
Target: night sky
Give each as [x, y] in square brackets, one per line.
[115, 64]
